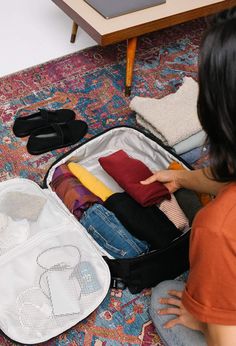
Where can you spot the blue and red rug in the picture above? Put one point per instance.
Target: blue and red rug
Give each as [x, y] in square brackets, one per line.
[91, 82]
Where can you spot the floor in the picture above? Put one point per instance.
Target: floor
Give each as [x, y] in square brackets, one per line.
[33, 32]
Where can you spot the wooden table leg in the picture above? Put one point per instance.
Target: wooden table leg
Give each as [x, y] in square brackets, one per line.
[131, 49]
[74, 32]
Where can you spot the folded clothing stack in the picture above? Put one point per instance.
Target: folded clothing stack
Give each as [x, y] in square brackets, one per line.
[173, 118]
[128, 172]
[132, 218]
[83, 194]
[125, 224]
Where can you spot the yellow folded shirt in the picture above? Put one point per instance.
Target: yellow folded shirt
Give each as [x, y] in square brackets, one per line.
[91, 182]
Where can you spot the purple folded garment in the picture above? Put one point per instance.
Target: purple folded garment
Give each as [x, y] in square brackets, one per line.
[75, 196]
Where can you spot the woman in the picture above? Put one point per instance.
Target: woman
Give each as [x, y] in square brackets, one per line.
[203, 311]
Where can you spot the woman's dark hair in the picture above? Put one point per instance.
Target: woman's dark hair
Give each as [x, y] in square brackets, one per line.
[217, 94]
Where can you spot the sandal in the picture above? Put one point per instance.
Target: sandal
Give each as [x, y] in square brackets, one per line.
[24, 126]
[55, 136]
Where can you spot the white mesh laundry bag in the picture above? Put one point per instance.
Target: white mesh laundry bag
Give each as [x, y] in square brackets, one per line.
[53, 274]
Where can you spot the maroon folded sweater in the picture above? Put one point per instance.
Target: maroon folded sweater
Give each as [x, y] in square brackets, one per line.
[128, 172]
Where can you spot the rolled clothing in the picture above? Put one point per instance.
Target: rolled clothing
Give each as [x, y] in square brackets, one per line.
[145, 223]
[188, 202]
[128, 172]
[110, 234]
[73, 194]
[89, 180]
[174, 213]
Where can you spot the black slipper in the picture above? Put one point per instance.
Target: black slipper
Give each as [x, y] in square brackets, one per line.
[24, 126]
[56, 136]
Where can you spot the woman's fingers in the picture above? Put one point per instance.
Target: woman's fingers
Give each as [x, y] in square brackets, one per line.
[176, 293]
[149, 180]
[167, 177]
[170, 301]
[172, 323]
[169, 311]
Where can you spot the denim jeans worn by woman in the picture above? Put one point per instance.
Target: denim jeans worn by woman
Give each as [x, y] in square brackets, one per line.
[110, 234]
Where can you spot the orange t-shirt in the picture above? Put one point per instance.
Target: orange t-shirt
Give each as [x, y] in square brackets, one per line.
[210, 293]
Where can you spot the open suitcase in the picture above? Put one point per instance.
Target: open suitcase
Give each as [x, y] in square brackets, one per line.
[57, 274]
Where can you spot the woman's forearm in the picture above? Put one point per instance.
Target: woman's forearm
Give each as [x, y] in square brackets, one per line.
[198, 180]
[220, 335]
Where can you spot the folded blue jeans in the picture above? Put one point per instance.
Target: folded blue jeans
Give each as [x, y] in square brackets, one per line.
[177, 335]
[110, 234]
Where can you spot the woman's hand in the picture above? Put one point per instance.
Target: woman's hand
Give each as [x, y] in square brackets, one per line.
[176, 308]
[168, 177]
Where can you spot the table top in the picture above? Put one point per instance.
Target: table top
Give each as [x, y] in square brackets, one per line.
[107, 31]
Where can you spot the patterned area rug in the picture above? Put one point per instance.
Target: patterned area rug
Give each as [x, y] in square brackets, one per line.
[91, 82]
